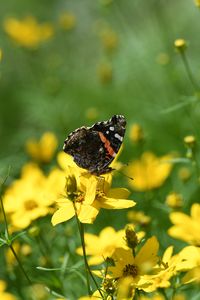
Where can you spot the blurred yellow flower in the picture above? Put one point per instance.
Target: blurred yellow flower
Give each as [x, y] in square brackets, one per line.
[21, 250]
[126, 265]
[149, 172]
[163, 58]
[44, 149]
[85, 194]
[109, 39]
[174, 200]
[180, 44]
[27, 32]
[27, 198]
[186, 228]
[138, 217]
[3, 294]
[91, 113]
[184, 173]
[197, 2]
[105, 72]
[136, 134]
[67, 20]
[102, 246]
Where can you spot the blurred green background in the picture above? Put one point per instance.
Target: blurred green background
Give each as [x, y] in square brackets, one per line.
[53, 86]
[117, 58]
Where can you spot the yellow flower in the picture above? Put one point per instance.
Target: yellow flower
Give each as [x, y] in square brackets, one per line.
[174, 200]
[4, 295]
[138, 217]
[186, 228]
[105, 72]
[135, 267]
[190, 261]
[23, 250]
[136, 134]
[67, 20]
[180, 44]
[102, 246]
[86, 194]
[109, 39]
[197, 2]
[27, 33]
[149, 172]
[44, 149]
[27, 198]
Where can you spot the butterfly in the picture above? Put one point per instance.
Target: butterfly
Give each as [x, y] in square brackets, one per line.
[94, 148]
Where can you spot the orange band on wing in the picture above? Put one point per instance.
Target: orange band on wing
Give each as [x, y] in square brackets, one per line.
[107, 144]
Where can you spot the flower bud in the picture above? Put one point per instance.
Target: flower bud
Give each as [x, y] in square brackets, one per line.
[180, 45]
[131, 237]
[71, 185]
[174, 200]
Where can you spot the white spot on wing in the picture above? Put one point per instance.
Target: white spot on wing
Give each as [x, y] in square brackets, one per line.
[112, 128]
[119, 137]
[107, 132]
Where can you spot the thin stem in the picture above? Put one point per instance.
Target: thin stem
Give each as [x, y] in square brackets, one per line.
[189, 72]
[84, 255]
[20, 264]
[5, 219]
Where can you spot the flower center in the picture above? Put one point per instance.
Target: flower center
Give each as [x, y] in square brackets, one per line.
[130, 270]
[30, 204]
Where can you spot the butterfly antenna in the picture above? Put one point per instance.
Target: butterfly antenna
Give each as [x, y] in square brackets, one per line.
[131, 178]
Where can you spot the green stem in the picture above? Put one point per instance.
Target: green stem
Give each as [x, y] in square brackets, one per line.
[5, 219]
[189, 72]
[20, 264]
[84, 255]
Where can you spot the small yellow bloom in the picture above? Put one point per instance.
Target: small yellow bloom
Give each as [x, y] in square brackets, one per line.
[186, 228]
[102, 246]
[91, 113]
[149, 172]
[190, 140]
[136, 268]
[28, 198]
[174, 200]
[44, 149]
[67, 20]
[180, 44]
[138, 217]
[184, 173]
[197, 2]
[28, 32]
[3, 294]
[105, 72]
[109, 39]
[136, 134]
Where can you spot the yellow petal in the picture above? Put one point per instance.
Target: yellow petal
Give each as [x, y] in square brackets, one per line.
[63, 214]
[88, 213]
[118, 193]
[148, 253]
[113, 203]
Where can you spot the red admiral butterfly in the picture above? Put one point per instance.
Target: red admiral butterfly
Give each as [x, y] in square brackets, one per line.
[94, 148]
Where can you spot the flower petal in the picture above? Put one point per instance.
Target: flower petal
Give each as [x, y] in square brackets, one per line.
[63, 214]
[118, 193]
[113, 203]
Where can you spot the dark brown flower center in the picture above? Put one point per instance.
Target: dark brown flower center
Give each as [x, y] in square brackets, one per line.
[30, 204]
[130, 270]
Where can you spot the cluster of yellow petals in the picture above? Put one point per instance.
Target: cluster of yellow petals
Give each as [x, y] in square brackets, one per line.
[149, 172]
[86, 194]
[103, 246]
[3, 294]
[186, 228]
[32, 195]
[42, 150]
[28, 32]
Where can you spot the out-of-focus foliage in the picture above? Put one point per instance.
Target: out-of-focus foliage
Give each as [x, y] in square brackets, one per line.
[65, 64]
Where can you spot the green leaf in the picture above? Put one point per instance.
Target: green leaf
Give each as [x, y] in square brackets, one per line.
[48, 269]
[17, 235]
